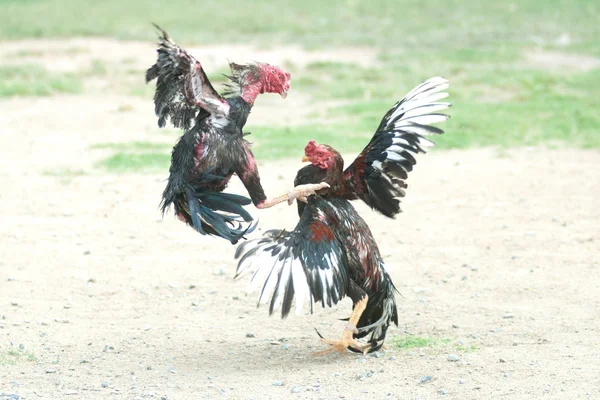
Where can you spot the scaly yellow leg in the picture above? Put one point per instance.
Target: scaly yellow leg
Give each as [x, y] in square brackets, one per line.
[342, 344]
[300, 192]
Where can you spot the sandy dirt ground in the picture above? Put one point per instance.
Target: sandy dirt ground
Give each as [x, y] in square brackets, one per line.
[496, 255]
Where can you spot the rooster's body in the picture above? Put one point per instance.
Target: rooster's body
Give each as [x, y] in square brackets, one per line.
[212, 148]
[331, 253]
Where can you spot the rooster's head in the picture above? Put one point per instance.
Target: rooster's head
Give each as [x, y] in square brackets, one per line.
[320, 155]
[250, 80]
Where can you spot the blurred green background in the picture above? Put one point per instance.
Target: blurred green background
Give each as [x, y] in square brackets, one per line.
[522, 73]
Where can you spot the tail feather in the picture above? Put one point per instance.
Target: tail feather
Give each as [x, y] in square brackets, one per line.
[378, 315]
[218, 202]
[211, 213]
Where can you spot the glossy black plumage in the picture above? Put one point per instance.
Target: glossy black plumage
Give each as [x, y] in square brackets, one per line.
[212, 147]
[331, 239]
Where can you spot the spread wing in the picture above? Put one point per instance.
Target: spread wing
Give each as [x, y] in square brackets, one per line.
[377, 175]
[307, 264]
[182, 87]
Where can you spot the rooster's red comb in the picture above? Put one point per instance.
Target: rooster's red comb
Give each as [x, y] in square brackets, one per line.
[310, 147]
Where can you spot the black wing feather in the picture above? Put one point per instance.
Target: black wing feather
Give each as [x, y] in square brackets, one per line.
[377, 175]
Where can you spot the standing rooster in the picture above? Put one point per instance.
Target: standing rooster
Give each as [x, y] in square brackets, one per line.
[331, 252]
[212, 148]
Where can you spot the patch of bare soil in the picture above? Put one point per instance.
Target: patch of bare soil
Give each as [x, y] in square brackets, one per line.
[495, 253]
[556, 60]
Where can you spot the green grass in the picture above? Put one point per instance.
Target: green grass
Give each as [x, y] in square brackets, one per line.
[494, 104]
[417, 342]
[35, 80]
[421, 342]
[499, 98]
[64, 172]
[134, 146]
[123, 162]
[384, 23]
[11, 356]
[131, 157]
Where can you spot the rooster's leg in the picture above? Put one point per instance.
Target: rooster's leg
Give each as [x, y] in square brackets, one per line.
[342, 344]
[300, 192]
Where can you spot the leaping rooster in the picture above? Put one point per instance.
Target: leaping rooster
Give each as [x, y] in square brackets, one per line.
[212, 147]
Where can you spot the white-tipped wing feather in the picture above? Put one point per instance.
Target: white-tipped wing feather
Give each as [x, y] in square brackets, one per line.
[307, 264]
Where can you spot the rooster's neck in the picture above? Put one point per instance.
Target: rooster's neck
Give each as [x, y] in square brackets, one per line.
[335, 172]
[251, 91]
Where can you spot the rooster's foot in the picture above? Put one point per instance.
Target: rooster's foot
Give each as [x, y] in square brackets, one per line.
[342, 344]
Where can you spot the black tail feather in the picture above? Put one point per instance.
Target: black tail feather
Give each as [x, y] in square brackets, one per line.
[215, 213]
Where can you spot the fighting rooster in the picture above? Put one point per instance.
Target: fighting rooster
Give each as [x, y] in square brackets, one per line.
[212, 148]
[331, 252]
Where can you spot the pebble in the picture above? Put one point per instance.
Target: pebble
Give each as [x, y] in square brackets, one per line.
[378, 354]
[455, 326]
[502, 360]
[195, 303]
[50, 371]
[392, 358]
[508, 316]
[87, 253]
[506, 375]
[21, 346]
[421, 290]
[442, 392]
[297, 389]
[14, 303]
[250, 335]
[461, 382]
[452, 357]
[277, 383]
[365, 374]
[425, 379]
[104, 384]
[9, 396]
[285, 346]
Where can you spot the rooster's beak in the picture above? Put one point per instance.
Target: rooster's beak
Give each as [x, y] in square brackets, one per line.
[305, 159]
[284, 94]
